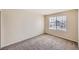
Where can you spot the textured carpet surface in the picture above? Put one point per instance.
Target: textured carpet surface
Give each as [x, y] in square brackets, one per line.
[43, 42]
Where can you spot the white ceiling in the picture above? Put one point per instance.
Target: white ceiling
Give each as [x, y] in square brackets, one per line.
[38, 11]
[46, 11]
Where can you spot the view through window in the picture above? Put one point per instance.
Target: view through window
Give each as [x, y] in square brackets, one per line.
[57, 23]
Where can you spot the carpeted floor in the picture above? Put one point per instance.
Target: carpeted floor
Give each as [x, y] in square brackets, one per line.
[43, 42]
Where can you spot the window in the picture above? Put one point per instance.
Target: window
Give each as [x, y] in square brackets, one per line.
[57, 23]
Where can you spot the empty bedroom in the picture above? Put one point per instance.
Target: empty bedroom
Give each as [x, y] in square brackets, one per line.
[39, 29]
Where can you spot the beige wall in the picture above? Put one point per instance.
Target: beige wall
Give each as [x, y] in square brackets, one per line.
[78, 27]
[0, 29]
[18, 25]
[72, 25]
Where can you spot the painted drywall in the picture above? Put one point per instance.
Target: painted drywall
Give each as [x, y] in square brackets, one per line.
[18, 25]
[78, 28]
[72, 25]
[0, 29]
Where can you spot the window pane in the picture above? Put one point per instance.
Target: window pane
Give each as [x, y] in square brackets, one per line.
[57, 23]
[52, 23]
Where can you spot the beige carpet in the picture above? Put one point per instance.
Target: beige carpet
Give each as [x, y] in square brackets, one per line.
[43, 42]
